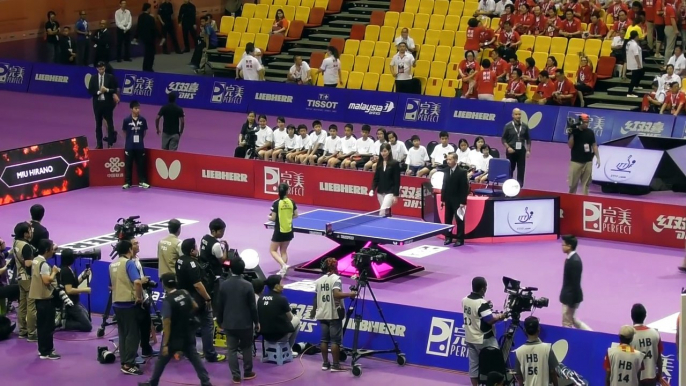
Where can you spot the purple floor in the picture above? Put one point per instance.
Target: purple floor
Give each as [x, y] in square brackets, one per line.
[214, 132]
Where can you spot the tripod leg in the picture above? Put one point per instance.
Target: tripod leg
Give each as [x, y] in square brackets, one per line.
[383, 318]
[106, 314]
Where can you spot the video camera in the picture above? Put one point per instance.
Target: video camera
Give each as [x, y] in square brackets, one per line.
[129, 228]
[92, 253]
[573, 124]
[363, 259]
[521, 299]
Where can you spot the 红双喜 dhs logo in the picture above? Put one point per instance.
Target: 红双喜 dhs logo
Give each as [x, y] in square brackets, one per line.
[11, 74]
[135, 85]
[521, 222]
[446, 338]
[417, 110]
[227, 93]
[620, 169]
[184, 90]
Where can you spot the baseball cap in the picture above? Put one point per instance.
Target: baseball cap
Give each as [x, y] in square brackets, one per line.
[584, 117]
[531, 325]
[627, 332]
[168, 279]
[272, 281]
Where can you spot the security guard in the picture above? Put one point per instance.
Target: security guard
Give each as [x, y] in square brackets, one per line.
[191, 277]
[536, 361]
[41, 292]
[169, 248]
[214, 252]
[23, 255]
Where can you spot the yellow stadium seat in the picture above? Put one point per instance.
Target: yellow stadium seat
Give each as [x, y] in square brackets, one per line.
[355, 80]
[382, 49]
[449, 87]
[560, 59]
[426, 6]
[226, 25]
[249, 11]
[606, 48]
[485, 54]
[438, 69]
[261, 41]
[592, 46]
[351, 46]
[288, 12]
[457, 54]
[347, 62]
[528, 42]
[541, 58]
[433, 86]
[280, 2]
[455, 8]
[543, 44]
[371, 81]
[262, 10]
[436, 22]
[575, 46]
[452, 22]
[421, 20]
[233, 40]
[530, 91]
[523, 54]
[387, 34]
[314, 74]
[447, 38]
[499, 92]
[432, 37]
[295, 3]
[405, 20]
[366, 48]
[422, 81]
[411, 6]
[301, 13]
[427, 52]
[470, 8]
[391, 19]
[460, 38]
[344, 79]
[240, 24]
[254, 26]
[266, 27]
[609, 19]
[570, 75]
[321, 4]
[558, 45]
[418, 34]
[571, 63]
[442, 54]
[441, 7]
[593, 59]
[361, 63]
[464, 23]
[376, 64]
[422, 68]
[371, 32]
[387, 66]
[452, 70]
[268, 2]
[495, 23]
[386, 83]
[247, 38]
[306, 3]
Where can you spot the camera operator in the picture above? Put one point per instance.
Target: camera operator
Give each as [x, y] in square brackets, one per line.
[479, 319]
[23, 255]
[328, 309]
[278, 322]
[39, 231]
[191, 278]
[144, 317]
[536, 361]
[581, 141]
[622, 363]
[76, 316]
[127, 297]
[169, 248]
[41, 292]
[177, 336]
[213, 253]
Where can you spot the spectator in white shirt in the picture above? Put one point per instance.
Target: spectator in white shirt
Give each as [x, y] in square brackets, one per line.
[299, 72]
[401, 68]
[666, 79]
[678, 61]
[463, 153]
[265, 138]
[302, 145]
[398, 149]
[405, 38]
[122, 18]
[654, 99]
[291, 141]
[417, 157]
[438, 155]
[634, 63]
[618, 51]
[257, 54]
[317, 139]
[249, 68]
[486, 8]
[279, 140]
[381, 138]
[363, 149]
[332, 146]
[500, 7]
[481, 164]
[331, 68]
[348, 148]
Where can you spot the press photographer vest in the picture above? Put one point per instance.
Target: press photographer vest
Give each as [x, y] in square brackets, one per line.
[475, 333]
[533, 358]
[122, 287]
[647, 341]
[38, 290]
[625, 362]
[207, 258]
[23, 272]
[168, 253]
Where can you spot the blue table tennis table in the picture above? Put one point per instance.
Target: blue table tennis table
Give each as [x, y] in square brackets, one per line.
[354, 231]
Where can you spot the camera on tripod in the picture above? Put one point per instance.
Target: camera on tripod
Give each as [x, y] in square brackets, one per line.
[363, 259]
[521, 299]
[128, 228]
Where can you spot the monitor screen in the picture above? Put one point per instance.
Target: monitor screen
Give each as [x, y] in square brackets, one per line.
[626, 166]
[524, 217]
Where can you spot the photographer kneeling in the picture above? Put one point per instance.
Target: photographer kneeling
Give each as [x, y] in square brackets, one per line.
[274, 311]
[76, 316]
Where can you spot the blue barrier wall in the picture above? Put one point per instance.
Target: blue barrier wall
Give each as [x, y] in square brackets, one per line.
[333, 104]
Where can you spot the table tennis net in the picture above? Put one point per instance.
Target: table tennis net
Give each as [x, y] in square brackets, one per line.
[354, 221]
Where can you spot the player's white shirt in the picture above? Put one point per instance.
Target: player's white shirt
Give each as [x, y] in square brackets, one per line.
[258, 55]
[318, 139]
[417, 156]
[330, 67]
[399, 151]
[250, 67]
[332, 145]
[364, 146]
[264, 135]
[647, 341]
[279, 138]
[439, 153]
[348, 145]
[303, 73]
[291, 142]
[303, 143]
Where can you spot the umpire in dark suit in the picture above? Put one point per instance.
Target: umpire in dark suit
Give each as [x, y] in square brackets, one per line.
[454, 194]
[571, 294]
[517, 142]
[147, 33]
[103, 89]
[101, 42]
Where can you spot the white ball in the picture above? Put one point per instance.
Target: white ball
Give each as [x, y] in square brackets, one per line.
[511, 188]
[250, 258]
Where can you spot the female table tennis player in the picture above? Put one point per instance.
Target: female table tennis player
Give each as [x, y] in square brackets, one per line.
[386, 180]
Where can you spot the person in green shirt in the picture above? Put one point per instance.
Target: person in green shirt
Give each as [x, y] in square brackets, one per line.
[284, 210]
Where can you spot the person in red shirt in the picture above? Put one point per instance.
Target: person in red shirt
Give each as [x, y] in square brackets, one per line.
[649, 9]
[585, 79]
[507, 15]
[515, 64]
[469, 85]
[509, 39]
[635, 10]
[614, 7]
[674, 100]
[597, 29]
[516, 89]
[473, 34]
[547, 6]
[487, 38]
[652, 101]
[565, 92]
[671, 29]
[551, 66]
[499, 65]
[571, 26]
[576, 8]
[486, 80]
[540, 21]
[552, 30]
[469, 63]
[544, 92]
[659, 27]
[530, 73]
[524, 20]
[620, 24]
[590, 7]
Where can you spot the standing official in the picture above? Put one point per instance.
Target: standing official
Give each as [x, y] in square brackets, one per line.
[23, 255]
[187, 16]
[146, 33]
[173, 125]
[517, 142]
[124, 22]
[647, 340]
[102, 87]
[42, 284]
[454, 194]
[169, 248]
[39, 231]
[101, 43]
[623, 363]
[583, 147]
[82, 40]
[536, 361]
[165, 13]
[571, 294]
[52, 36]
[135, 128]
[386, 181]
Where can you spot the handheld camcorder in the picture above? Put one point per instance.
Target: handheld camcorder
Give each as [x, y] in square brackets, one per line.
[128, 228]
[573, 124]
[363, 259]
[521, 299]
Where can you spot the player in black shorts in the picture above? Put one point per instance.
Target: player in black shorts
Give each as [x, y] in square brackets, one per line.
[284, 210]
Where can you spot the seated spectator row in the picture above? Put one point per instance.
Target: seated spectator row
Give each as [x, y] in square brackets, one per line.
[293, 3]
